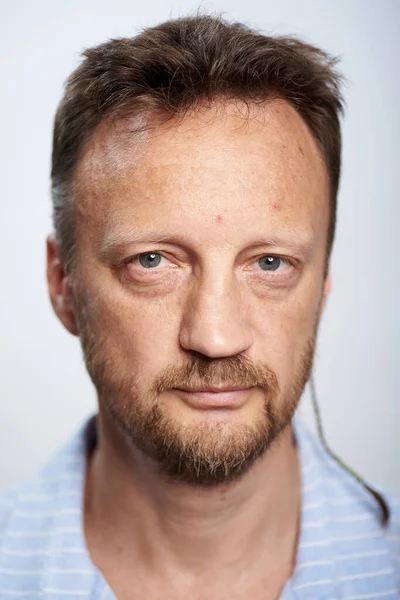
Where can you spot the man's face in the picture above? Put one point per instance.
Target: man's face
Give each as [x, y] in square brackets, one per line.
[200, 265]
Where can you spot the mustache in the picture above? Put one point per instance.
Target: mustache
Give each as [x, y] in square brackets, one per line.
[236, 371]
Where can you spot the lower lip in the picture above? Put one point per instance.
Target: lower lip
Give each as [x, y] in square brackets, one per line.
[215, 400]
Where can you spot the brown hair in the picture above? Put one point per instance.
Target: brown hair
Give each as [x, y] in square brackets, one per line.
[174, 67]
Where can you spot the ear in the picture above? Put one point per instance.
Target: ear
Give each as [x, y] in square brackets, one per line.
[59, 286]
[325, 292]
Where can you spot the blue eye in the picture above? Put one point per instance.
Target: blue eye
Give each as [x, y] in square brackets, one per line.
[269, 263]
[149, 260]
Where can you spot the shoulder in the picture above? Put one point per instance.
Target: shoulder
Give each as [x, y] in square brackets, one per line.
[24, 510]
[41, 536]
[351, 508]
[27, 506]
[345, 548]
[30, 522]
[32, 506]
[37, 498]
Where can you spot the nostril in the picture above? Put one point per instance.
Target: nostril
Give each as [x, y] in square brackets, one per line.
[215, 340]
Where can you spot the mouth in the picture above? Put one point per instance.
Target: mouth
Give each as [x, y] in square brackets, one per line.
[214, 397]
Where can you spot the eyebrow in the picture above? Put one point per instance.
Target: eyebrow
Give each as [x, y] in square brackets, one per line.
[117, 239]
[303, 243]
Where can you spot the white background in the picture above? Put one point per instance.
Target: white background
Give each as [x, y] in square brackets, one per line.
[45, 392]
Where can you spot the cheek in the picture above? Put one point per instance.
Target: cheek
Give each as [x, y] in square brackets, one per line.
[282, 333]
[132, 331]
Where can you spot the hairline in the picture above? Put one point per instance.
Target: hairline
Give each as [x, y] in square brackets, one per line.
[150, 122]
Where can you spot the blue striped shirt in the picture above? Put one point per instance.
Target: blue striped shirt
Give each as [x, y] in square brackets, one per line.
[343, 551]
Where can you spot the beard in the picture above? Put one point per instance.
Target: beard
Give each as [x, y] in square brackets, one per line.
[208, 454]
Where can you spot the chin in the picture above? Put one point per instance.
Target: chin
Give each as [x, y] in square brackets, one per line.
[210, 449]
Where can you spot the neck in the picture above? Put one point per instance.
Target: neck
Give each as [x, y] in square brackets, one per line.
[136, 514]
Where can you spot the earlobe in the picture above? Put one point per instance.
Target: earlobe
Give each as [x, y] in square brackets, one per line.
[59, 286]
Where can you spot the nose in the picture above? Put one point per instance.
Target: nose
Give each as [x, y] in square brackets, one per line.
[214, 321]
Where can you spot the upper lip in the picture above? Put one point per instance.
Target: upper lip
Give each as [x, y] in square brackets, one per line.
[214, 388]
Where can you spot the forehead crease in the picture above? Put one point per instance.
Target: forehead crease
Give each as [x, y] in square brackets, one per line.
[126, 232]
[283, 169]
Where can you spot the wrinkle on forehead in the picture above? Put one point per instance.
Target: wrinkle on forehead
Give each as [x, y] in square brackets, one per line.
[122, 162]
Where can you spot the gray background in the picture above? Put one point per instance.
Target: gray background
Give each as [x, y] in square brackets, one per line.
[45, 392]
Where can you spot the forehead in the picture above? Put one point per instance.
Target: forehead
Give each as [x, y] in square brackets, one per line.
[223, 160]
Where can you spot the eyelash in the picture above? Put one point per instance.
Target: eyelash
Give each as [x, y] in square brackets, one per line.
[131, 259]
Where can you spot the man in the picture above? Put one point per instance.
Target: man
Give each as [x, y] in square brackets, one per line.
[194, 181]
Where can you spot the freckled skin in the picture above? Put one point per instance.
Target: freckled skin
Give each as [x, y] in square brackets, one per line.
[251, 181]
[214, 197]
